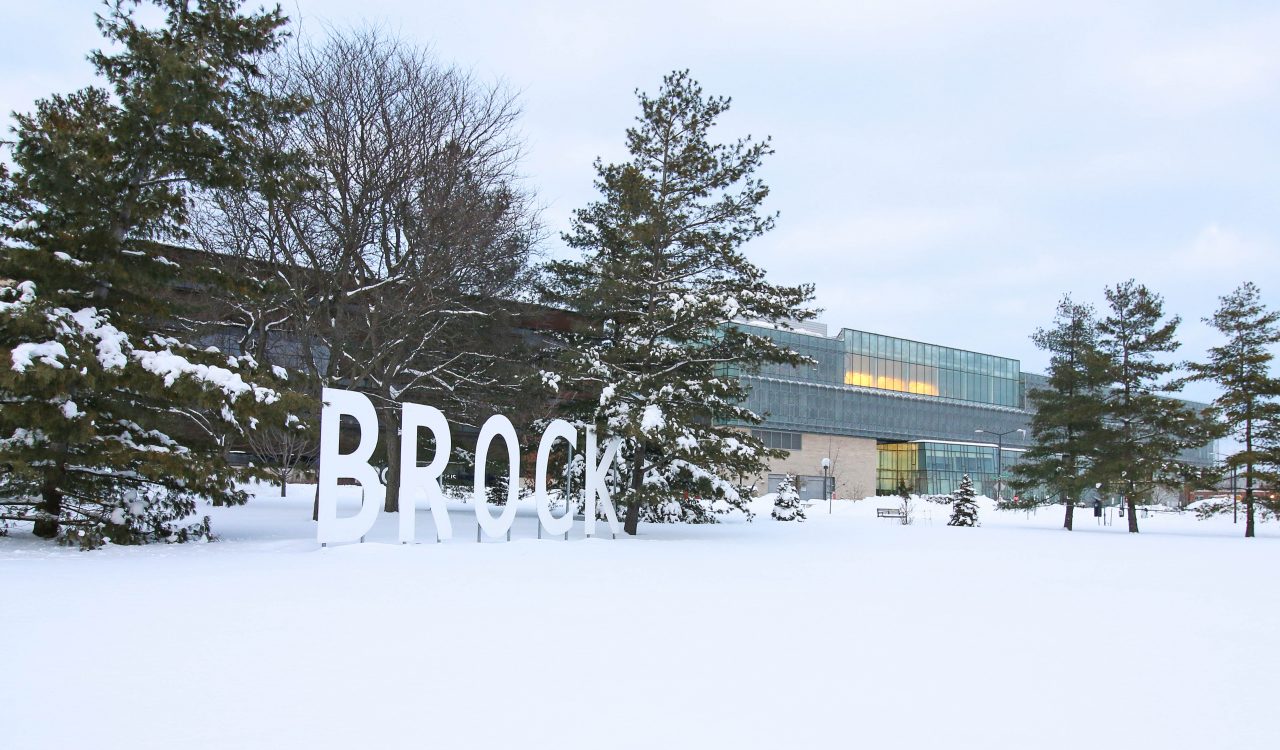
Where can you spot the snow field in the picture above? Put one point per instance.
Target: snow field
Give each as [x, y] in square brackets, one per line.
[841, 631]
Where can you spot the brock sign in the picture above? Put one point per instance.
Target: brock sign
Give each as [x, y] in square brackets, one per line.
[424, 481]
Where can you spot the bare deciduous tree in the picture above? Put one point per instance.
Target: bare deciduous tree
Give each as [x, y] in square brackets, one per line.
[286, 446]
[395, 252]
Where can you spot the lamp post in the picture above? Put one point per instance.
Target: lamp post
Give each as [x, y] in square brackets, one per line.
[1000, 456]
[826, 490]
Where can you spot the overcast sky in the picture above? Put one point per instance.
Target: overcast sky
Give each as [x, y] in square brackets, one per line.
[945, 169]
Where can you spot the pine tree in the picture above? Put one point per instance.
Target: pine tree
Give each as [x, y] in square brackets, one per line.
[1067, 426]
[1241, 366]
[113, 421]
[787, 507]
[1267, 444]
[964, 509]
[1147, 429]
[663, 279]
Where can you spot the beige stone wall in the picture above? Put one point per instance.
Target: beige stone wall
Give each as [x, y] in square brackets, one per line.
[853, 462]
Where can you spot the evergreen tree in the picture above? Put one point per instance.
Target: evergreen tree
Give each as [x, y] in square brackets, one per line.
[1068, 422]
[1242, 368]
[662, 282]
[964, 509]
[113, 421]
[787, 507]
[1147, 430]
[1267, 444]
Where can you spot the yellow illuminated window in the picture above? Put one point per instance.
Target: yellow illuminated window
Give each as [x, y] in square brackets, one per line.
[858, 378]
[872, 372]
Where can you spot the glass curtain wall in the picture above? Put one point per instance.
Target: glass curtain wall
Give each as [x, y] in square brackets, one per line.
[873, 361]
[899, 462]
[888, 363]
[930, 468]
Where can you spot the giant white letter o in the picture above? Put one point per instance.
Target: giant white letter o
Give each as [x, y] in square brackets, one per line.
[497, 426]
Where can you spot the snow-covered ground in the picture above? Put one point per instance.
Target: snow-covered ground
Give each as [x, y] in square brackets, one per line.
[844, 631]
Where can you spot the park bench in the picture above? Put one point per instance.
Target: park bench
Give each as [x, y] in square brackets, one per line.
[890, 513]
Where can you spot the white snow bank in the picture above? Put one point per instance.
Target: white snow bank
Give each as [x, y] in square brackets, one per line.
[844, 631]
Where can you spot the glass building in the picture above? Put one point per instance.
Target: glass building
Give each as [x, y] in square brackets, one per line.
[884, 363]
[933, 468]
[910, 412]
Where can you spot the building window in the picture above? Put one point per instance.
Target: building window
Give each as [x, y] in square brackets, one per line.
[787, 441]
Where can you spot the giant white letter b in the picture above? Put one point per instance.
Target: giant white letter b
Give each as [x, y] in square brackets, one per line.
[335, 465]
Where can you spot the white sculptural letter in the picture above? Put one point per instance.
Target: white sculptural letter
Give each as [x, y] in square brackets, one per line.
[335, 466]
[414, 478]
[416, 481]
[497, 426]
[558, 429]
[595, 486]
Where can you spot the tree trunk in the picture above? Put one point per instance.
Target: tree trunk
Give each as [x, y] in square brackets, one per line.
[315, 505]
[1071, 513]
[284, 482]
[391, 438]
[1248, 481]
[1133, 513]
[632, 524]
[1248, 501]
[51, 506]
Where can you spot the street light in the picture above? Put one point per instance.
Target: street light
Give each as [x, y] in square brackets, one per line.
[826, 467]
[1000, 456]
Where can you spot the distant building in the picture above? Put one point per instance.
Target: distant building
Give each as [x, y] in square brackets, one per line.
[885, 410]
